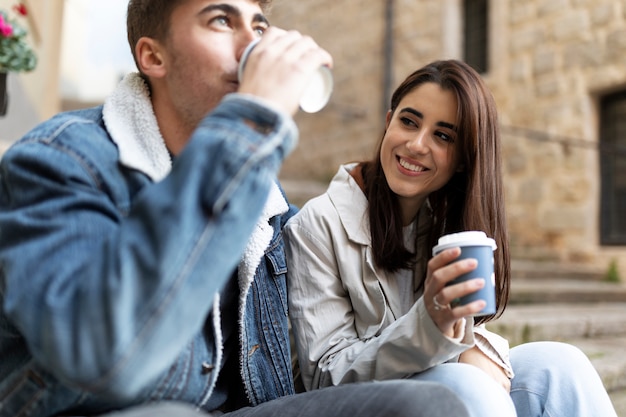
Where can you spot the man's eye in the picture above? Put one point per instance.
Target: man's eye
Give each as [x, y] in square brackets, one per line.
[220, 20]
[260, 30]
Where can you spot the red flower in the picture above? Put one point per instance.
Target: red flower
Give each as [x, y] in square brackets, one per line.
[20, 9]
[6, 29]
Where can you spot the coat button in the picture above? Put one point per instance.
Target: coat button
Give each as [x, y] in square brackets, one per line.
[207, 368]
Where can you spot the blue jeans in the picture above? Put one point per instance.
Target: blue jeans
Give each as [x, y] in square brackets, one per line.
[551, 379]
[556, 379]
[407, 398]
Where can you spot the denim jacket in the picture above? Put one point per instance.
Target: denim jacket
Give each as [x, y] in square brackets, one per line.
[111, 257]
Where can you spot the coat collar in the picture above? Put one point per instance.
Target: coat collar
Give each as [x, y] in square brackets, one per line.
[130, 120]
[351, 205]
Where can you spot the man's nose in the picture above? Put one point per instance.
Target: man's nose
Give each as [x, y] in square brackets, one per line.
[243, 40]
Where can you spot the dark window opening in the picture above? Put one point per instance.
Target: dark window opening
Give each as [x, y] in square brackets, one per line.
[476, 34]
[613, 169]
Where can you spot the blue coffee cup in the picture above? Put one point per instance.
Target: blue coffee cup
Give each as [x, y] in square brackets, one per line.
[476, 245]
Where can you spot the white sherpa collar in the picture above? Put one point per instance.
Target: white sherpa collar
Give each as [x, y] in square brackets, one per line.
[260, 238]
[130, 120]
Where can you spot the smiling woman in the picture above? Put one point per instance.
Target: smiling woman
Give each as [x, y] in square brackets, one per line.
[367, 299]
[418, 155]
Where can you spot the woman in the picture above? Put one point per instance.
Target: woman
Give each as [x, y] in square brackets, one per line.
[367, 301]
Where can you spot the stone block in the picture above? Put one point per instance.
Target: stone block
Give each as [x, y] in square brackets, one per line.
[572, 26]
[544, 61]
[584, 54]
[550, 7]
[563, 219]
[531, 190]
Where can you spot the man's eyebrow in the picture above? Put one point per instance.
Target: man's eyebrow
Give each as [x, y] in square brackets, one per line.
[260, 18]
[233, 11]
[421, 116]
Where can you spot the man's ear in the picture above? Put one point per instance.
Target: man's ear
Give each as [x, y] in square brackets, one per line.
[150, 57]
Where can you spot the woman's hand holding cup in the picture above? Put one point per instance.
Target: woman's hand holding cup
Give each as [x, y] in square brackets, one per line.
[460, 279]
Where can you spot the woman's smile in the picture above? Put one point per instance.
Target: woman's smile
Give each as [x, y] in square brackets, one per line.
[414, 168]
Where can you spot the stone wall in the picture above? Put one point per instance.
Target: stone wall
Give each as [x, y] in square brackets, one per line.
[550, 61]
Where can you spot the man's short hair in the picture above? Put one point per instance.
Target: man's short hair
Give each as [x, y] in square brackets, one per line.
[151, 18]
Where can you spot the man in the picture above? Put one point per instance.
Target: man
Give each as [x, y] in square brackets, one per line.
[141, 258]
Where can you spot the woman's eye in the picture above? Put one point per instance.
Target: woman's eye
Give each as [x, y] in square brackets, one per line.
[407, 122]
[445, 137]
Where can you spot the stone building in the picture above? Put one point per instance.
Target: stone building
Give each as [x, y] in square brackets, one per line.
[557, 69]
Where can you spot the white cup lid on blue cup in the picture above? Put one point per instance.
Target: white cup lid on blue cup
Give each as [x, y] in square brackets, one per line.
[471, 238]
[317, 92]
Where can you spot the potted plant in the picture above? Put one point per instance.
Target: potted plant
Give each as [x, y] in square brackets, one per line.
[15, 53]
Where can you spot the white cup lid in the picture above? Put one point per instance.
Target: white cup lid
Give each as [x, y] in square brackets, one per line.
[471, 238]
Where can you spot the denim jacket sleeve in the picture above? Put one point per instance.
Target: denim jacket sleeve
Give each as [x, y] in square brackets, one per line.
[105, 295]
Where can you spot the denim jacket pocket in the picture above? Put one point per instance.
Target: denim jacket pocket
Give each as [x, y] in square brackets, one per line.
[20, 395]
[275, 256]
[31, 392]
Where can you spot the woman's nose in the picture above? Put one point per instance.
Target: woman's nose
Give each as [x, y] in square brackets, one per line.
[419, 142]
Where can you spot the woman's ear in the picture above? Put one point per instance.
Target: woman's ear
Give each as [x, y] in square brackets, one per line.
[460, 168]
[388, 119]
[150, 57]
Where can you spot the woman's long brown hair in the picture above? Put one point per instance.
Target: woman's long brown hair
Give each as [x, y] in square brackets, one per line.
[473, 199]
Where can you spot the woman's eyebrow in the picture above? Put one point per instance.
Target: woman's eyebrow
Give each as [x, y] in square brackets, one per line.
[412, 111]
[447, 125]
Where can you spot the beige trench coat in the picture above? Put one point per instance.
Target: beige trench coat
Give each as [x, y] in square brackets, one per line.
[346, 320]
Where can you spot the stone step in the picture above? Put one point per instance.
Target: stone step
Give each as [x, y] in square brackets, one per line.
[540, 270]
[607, 356]
[565, 321]
[598, 329]
[532, 291]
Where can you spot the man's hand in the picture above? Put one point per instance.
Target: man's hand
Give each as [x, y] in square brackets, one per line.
[476, 357]
[280, 66]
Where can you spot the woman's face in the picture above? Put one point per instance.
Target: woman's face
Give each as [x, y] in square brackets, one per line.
[418, 153]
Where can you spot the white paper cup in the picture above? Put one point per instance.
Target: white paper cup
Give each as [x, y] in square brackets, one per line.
[317, 92]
